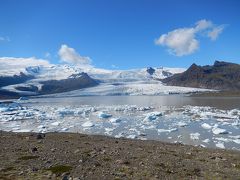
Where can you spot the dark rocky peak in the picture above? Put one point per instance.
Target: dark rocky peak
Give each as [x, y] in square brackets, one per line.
[194, 68]
[79, 75]
[150, 70]
[222, 63]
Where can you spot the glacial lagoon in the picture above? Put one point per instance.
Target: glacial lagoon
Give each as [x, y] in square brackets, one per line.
[200, 121]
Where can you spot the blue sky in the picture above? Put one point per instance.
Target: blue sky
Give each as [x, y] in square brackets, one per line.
[121, 33]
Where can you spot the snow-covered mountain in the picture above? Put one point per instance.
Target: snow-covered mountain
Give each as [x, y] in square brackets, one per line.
[48, 78]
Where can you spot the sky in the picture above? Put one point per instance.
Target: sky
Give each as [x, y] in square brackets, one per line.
[121, 34]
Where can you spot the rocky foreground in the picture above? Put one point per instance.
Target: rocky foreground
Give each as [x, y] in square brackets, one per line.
[78, 156]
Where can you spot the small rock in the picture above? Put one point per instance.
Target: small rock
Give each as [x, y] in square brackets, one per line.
[53, 149]
[34, 149]
[76, 151]
[40, 136]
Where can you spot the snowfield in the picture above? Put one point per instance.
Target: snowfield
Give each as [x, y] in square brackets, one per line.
[145, 81]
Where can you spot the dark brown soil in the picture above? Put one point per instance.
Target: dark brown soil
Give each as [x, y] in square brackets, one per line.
[78, 156]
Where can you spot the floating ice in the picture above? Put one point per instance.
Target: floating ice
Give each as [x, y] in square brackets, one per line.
[206, 126]
[182, 124]
[217, 130]
[152, 116]
[65, 112]
[194, 136]
[237, 141]
[104, 115]
[131, 136]
[167, 130]
[87, 124]
[206, 141]
[115, 120]
[23, 98]
[55, 123]
[220, 145]
[108, 130]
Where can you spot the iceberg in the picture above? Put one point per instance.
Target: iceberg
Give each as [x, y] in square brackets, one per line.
[217, 130]
[194, 136]
[206, 126]
[104, 115]
[220, 145]
[87, 124]
[115, 120]
[167, 130]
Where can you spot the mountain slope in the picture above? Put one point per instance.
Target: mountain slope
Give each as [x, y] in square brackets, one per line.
[221, 76]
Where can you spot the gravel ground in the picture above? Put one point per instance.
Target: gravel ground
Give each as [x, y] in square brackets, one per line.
[77, 156]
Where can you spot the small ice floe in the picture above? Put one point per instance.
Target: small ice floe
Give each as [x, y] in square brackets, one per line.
[206, 140]
[182, 124]
[167, 130]
[237, 141]
[104, 115]
[194, 136]
[115, 120]
[120, 135]
[152, 116]
[55, 123]
[206, 126]
[87, 124]
[23, 130]
[65, 112]
[217, 130]
[220, 145]
[131, 136]
[108, 131]
[41, 127]
[144, 108]
[179, 136]
[23, 99]
[64, 129]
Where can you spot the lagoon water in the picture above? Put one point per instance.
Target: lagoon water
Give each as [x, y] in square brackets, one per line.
[201, 121]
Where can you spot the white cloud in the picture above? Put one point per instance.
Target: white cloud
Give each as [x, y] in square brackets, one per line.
[47, 55]
[215, 32]
[69, 55]
[183, 41]
[203, 24]
[180, 41]
[11, 65]
[5, 38]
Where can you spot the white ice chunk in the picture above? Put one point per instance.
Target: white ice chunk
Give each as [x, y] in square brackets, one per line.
[152, 116]
[115, 120]
[182, 124]
[104, 115]
[131, 136]
[55, 123]
[167, 130]
[206, 126]
[206, 140]
[88, 124]
[237, 141]
[220, 145]
[194, 136]
[217, 130]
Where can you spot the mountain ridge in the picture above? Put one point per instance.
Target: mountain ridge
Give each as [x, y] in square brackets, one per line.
[219, 76]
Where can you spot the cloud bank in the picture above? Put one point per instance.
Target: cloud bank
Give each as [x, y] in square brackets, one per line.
[184, 41]
[69, 55]
[12, 65]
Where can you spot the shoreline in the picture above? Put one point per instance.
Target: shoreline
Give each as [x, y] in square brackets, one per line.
[81, 156]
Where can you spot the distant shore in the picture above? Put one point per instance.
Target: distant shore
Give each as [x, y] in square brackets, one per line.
[79, 156]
